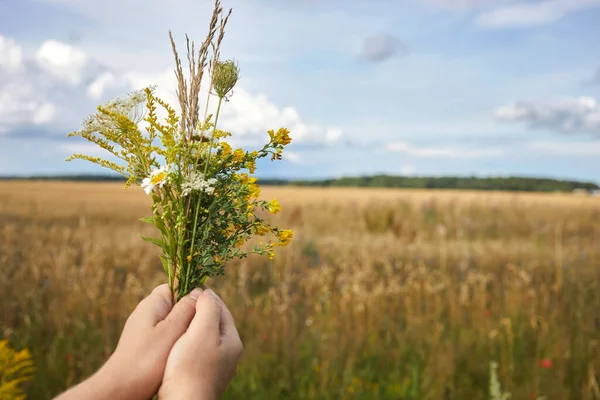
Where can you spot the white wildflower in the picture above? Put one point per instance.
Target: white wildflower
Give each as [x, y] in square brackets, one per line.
[195, 182]
[157, 177]
[129, 105]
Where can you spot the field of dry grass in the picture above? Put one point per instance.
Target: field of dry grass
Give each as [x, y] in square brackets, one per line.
[383, 294]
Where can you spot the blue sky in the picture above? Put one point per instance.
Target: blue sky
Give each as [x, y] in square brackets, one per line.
[427, 87]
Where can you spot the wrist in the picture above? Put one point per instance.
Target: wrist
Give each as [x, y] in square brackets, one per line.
[97, 387]
[185, 388]
[117, 384]
[107, 380]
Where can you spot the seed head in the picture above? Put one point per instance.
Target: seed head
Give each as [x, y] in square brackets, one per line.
[225, 76]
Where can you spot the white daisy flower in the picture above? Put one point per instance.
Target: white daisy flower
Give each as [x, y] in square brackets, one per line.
[157, 177]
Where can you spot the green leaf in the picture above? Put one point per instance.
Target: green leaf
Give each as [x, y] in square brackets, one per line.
[165, 264]
[160, 224]
[148, 220]
[157, 242]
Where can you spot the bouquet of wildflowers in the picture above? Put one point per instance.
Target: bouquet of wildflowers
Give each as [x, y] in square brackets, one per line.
[204, 197]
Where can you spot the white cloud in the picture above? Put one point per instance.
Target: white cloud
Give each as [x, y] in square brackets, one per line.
[333, 134]
[11, 55]
[20, 104]
[293, 157]
[44, 114]
[63, 61]
[36, 88]
[100, 84]
[581, 149]
[59, 77]
[443, 152]
[247, 115]
[567, 115]
[532, 13]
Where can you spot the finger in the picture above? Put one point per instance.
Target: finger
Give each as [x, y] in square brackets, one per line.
[232, 346]
[227, 326]
[207, 320]
[231, 343]
[155, 307]
[178, 320]
[230, 338]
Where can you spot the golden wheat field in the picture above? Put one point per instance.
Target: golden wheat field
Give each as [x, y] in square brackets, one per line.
[383, 294]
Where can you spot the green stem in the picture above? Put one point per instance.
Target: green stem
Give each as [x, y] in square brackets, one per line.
[212, 137]
[176, 254]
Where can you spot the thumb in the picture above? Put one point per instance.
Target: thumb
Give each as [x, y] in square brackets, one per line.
[178, 320]
[153, 308]
[207, 320]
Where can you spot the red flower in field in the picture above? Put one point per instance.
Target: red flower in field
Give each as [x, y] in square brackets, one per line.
[546, 363]
[69, 358]
[486, 312]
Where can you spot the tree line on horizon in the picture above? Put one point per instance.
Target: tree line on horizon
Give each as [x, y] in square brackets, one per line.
[390, 181]
[454, 182]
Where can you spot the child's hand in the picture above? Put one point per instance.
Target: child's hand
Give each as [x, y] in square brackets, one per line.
[136, 368]
[203, 361]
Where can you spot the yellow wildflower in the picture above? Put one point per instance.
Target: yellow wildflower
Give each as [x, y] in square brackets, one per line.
[254, 191]
[261, 230]
[271, 255]
[243, 177]
[284, 236]
[283, 136]
[189, 257]
[238, 156]
[219, 134]
[274, 206]
[251, 165]
[226, 149]
[16, 367]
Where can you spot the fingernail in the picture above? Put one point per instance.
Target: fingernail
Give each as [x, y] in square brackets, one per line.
[209, 292]
[194, 294]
